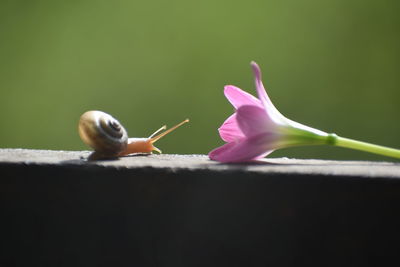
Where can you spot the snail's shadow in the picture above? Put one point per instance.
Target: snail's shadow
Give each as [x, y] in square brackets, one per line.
[97, 158]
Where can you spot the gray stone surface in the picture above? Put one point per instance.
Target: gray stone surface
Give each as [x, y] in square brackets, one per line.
[201, 162]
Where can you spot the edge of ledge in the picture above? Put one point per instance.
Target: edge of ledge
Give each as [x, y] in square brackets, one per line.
[174, 162]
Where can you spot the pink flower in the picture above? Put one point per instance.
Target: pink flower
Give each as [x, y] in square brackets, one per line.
[257, 128]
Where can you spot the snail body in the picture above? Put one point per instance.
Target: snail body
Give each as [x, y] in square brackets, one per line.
[108, 137]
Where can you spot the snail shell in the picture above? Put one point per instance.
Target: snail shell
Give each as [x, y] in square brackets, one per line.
[103, 133]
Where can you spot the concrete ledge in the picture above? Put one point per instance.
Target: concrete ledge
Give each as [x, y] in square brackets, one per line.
[168, 162]
[57, 209]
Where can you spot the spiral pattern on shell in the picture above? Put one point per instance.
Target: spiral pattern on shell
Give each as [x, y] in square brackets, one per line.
[102, 132]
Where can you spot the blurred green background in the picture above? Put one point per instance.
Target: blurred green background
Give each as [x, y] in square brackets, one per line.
[333, 65]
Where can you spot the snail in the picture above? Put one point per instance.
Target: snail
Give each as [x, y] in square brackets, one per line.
[109, 138]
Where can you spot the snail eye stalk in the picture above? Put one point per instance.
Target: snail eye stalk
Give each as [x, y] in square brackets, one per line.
[158, 137]
[159, 130]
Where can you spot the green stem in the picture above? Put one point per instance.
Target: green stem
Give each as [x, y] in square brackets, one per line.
[363, 146]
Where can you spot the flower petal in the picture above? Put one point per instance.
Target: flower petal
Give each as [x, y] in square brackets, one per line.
[246, 149]
[238, 97]
[230, 130]
[262, 94]
[253, 121]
